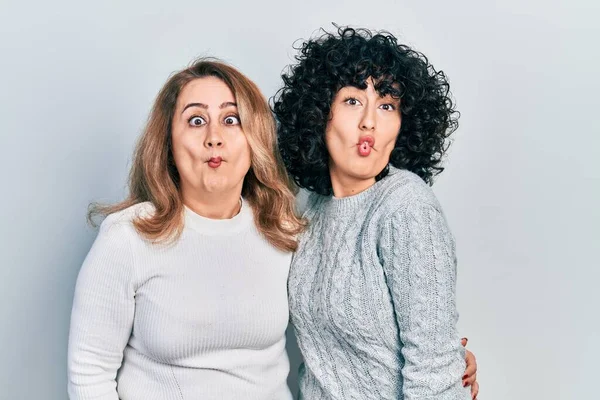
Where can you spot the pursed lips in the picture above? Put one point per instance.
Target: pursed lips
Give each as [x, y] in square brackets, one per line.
[215, 162]
[365, 145]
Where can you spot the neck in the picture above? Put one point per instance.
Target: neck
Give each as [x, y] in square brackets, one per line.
[345, 186]
[213, 205]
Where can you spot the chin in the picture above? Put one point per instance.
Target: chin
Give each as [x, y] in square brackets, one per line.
[364, 170]
[358, 173]
[216, 184]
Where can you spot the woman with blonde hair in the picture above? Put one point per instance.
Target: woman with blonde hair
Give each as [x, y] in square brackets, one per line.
[183, 294]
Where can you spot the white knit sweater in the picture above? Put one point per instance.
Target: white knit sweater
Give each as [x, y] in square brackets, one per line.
[203, 318]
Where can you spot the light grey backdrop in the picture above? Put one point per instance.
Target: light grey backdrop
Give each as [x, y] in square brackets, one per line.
[521, 190]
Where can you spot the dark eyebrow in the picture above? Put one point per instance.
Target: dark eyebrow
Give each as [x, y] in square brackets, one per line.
[202, 105]
[228, 104]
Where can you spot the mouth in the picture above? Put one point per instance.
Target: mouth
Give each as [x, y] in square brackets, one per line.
[365, 145]
[215, 162]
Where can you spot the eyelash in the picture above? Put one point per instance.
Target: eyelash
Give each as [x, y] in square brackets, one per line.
[234, 116]
[195, 116]
[351, 98]
[198, 116]
[392, 107]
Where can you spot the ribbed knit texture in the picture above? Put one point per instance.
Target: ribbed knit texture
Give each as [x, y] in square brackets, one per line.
[372, 296]
[203, 318]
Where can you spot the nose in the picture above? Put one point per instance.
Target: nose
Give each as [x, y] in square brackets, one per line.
[213, 138]
[367, 121]
[214, 142]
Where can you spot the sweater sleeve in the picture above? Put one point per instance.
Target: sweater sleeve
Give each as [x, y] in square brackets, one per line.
[420, 268]
[102, 315]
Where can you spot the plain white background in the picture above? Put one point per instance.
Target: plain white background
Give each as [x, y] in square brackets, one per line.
[521, 189]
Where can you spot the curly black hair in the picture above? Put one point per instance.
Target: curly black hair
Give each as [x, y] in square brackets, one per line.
[349, 57]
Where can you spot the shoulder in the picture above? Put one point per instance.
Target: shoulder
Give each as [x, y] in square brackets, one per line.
[308, 202]
[403, 190]
[121, 222]
[127, 215]
[411, 206]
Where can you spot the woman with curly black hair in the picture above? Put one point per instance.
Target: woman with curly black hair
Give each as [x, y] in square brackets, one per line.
[363, 124]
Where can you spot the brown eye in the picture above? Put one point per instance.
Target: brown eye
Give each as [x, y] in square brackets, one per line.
[387, 107]
[232, 120]
[352, 101]
[196, 121]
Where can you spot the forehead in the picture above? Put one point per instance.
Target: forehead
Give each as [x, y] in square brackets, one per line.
[208, 90]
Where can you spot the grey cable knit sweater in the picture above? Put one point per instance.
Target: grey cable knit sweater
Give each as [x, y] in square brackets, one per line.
[372, 296]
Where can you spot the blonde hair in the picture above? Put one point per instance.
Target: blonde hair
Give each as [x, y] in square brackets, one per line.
[154, 176]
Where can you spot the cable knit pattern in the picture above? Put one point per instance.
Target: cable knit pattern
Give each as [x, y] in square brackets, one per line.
[372, 296]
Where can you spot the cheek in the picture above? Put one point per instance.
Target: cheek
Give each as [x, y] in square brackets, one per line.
[183, 149]
[187, 152]
[246, 158]
[337, 135]
[390, 133]
[178, 150]
[242, 153]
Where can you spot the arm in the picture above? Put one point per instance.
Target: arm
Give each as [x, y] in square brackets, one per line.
[102, 316]
[420, 268]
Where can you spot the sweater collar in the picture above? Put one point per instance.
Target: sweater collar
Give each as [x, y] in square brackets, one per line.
[350, 204]
[211, 226]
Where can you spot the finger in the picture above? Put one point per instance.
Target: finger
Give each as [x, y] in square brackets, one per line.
[464, 341]
[474, 390]
[470, 380]
[471, 364]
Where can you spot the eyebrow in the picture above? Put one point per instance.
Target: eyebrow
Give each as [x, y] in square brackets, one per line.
[202, 105]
